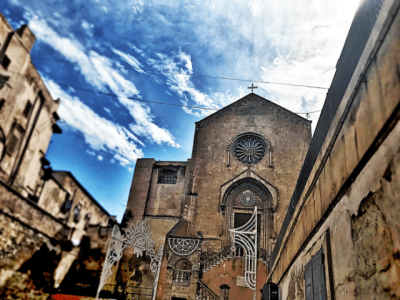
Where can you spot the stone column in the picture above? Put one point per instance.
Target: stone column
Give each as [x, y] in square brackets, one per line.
[224, 292]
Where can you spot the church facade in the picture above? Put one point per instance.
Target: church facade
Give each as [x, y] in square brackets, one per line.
[323, 211]
[246, 155]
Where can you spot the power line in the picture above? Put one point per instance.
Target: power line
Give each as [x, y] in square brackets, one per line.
[154, 102]
[143, 100]
[132, 98]
[208, 76]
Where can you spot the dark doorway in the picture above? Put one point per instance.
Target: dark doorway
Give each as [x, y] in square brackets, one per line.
[176, 298]
[241, 219]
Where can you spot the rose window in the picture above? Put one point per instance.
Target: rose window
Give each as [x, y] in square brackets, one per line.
[249, 148]
[247, 199]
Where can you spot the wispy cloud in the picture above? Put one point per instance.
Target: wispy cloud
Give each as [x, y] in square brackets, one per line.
[99, 133]
[181, 63]
[90, 152]
[316, 36]
[98, 71]
[132, 61]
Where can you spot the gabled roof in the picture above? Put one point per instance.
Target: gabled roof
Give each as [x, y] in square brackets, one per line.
[251, 96]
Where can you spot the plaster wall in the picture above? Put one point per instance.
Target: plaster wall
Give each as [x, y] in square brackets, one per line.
[98, 216]
[350, 209]
[52, 198]
[360, 238]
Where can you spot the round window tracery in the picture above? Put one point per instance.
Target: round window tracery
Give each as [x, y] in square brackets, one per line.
[249, 148]
[247, 199]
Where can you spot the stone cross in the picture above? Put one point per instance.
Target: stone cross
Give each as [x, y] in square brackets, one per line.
[252, 87]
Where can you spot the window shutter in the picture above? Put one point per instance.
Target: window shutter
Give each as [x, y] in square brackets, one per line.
[309, 281]
[319, 277]
[315, 278]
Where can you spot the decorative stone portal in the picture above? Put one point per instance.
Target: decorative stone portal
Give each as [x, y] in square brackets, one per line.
[238, 203]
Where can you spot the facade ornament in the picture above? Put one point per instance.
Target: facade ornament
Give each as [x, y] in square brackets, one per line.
[247, 199]
[246, 237]
[249, 148]
[141, 239]
[183, 246]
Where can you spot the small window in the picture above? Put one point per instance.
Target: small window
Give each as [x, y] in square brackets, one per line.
[66, 206]
[27, 110]
[168, 177]
[12, 144]
[6, 62]
[2, 101]
[183, 170]
[87, 220]
[77, 213]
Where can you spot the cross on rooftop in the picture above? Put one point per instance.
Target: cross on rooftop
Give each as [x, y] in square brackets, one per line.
[252, 87]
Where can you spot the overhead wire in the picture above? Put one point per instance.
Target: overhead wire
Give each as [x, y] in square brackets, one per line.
[208, 76]
[146, 101]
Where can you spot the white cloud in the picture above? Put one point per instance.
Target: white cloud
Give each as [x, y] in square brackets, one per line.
[100, 157]
[85, 25]
[182, 85]
[99, 133]
[108, 111]
[90, 152]
[316, 36]
[99, 72]
[130, 60]
[141, 113]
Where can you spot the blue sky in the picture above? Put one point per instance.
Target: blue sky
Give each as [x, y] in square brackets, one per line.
[109, 47]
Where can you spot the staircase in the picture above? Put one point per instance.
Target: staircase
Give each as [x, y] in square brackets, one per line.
[205, 293]
[219, 257]
[215, 259]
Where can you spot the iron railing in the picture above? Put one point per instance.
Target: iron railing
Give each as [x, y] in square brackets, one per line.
[205, 293]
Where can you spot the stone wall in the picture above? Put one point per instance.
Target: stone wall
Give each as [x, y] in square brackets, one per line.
[27, 116]
[349, 208]
[289, 136]
[31, 242]
[166, 199]
[231, 272]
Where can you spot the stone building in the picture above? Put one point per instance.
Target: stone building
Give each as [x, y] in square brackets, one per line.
[327, 207]
[28, 113]
[341, 238]
[246, 155]
[51, 228]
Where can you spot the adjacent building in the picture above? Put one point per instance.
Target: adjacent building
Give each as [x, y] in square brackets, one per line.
[51, 228]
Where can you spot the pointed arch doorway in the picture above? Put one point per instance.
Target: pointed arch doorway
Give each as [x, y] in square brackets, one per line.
[238, 203]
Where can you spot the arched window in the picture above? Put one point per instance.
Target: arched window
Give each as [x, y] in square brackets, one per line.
[183, 271]
[168, 178]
